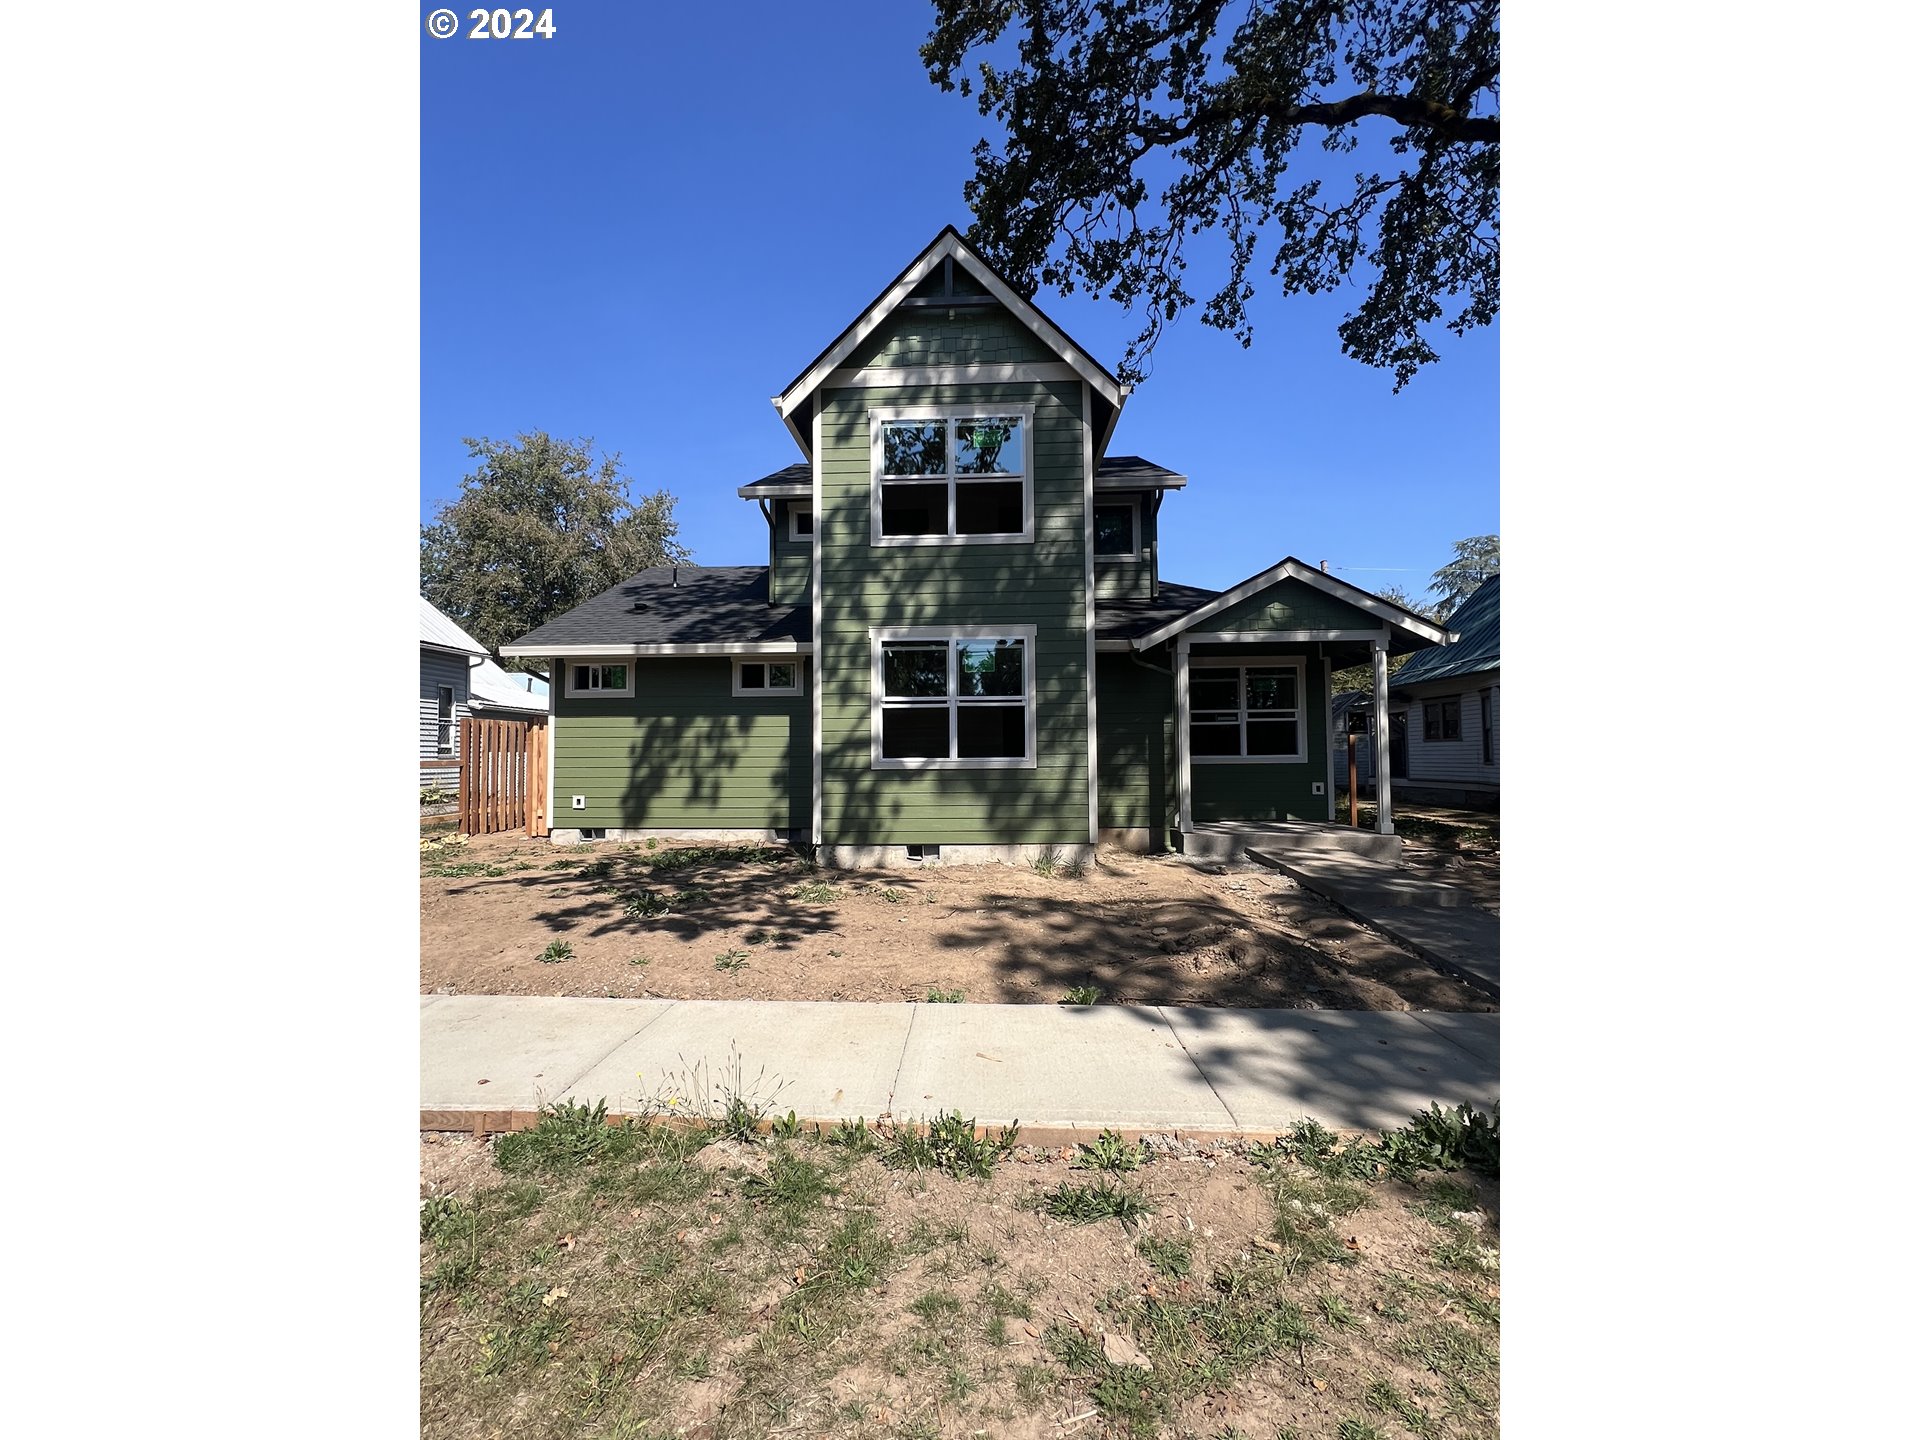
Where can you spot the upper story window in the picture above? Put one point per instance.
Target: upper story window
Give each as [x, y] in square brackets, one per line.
[601, 681]
[1116, 530]
[1245, 712]
[952, 477]
[800, 522]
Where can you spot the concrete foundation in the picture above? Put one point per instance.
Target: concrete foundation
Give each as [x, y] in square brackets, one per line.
[1227, 840]
[716, 837]
[895, 857]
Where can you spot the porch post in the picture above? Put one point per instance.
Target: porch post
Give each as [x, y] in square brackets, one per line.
[1382, 742]
[1181, 732]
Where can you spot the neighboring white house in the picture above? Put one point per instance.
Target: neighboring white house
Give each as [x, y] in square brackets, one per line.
[458, 679]
[1443, 710]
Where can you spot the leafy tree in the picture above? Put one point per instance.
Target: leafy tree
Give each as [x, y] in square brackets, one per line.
[1103, 100]
[1475, 559]
[1360, 677]
[538, 528]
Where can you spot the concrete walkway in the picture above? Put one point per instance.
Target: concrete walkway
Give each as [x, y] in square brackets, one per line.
[1435, 920]
[491, 1062]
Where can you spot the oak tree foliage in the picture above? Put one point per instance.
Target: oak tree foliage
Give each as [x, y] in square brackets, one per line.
[1132, 127]
[540, 525]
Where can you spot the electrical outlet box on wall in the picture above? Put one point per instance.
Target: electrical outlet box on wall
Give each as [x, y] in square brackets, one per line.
[1319, 787]
[579, 802]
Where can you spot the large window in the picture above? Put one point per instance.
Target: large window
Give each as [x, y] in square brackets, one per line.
[1245, 712]
[949, 477]
[599, 680]
[1441, 719]
[942, 700]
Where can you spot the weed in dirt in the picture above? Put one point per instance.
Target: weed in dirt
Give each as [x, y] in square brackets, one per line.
[946, 997]
[757, 937]
[639, 960]
[853, 1136]
[1171, 1258]
[555, 952]
[786, 1127]
[1336, 1312]
[1355, 1429]
[792, 1187]
[565, 1138]
[1109, 1152]
[814, 892]
[464, 871]
[891, 895]
[731, 961]
[739, 1120]
[692, 895]
[597, 870]
[1047, 863]
[950, 1144]
[559, 864]
[1381, 1396]
[936, 1306]
[645, 905]
[1083, 995]
[1085, 1202]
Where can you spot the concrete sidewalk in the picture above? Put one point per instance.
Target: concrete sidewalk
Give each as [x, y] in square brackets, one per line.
[492, 1061]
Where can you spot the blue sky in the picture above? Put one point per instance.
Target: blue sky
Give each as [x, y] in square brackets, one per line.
[640, 230]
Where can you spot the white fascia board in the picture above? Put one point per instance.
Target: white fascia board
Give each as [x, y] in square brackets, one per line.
[775, 492]
[948, 246]
[615, 652]
[1168, 482]
[452, 649]
[1112, 647]
[1291, 569]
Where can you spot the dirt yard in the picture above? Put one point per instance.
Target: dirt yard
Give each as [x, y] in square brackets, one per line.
[578, 1281]
[505, 915]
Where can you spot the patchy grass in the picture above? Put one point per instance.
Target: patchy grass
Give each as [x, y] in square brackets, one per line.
[945, 997]
[632, 1280]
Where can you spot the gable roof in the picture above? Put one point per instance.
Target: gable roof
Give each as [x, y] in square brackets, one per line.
[1390, 614]
[947, 245]
[682, 610]
[1115, 472]
[1477, 623]
[437, 632]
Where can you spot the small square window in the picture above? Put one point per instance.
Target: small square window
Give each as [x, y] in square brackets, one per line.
[800, 522]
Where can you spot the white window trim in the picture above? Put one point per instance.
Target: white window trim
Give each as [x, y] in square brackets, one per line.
[799, 686]
[599, 694]
[882, 415]
[1295, 663]
[1131, 502]
[452, 720]
[881, 637]
[794, 532]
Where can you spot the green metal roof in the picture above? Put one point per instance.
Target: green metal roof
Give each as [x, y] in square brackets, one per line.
[1477, 623]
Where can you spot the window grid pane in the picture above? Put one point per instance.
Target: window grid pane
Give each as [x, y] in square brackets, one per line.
[1245, 711]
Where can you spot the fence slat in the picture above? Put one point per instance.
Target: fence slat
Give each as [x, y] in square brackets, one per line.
[500, 788]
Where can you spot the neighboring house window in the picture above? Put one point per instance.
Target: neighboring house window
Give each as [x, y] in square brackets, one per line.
[951, 477]
[1486, 727]
[799, 522]
[1442, 719]
[953, 701]
[1116, 530]
[445, 743]
[606, 681]
[753, 678]
[1245, 712]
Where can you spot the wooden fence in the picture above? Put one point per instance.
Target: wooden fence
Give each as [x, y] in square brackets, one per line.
[503, 777]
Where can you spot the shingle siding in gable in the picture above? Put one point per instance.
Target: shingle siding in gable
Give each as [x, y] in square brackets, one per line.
[1291, 605]
[976, 335]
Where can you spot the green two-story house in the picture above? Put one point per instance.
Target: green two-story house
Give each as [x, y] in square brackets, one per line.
[960, 647]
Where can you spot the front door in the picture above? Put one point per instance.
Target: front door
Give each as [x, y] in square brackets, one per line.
[1397, 745]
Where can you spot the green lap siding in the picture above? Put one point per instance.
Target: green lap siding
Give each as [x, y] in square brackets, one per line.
[1041, 583]
[792, 559]
[1228, 791]
[682, 753]
[1138, 780]
[1291, 605]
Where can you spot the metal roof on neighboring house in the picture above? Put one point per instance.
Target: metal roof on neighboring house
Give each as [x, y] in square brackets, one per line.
[441, 633]
[676, 605]
[489, 687]
[1477, 623]
[1116, 472]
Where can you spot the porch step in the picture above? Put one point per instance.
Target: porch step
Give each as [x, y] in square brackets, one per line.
[1235, 842]
[1351, 878]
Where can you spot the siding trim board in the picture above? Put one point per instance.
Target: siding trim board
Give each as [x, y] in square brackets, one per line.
[615, 652]
[1293, 569]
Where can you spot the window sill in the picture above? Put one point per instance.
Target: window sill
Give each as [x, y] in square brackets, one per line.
[893, 540]
[1248, 760]
[1007, 763]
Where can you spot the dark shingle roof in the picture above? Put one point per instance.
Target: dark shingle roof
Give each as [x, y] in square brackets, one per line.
[1477, 623]
[1123, 619]
[1116, 472]
[718, 605]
